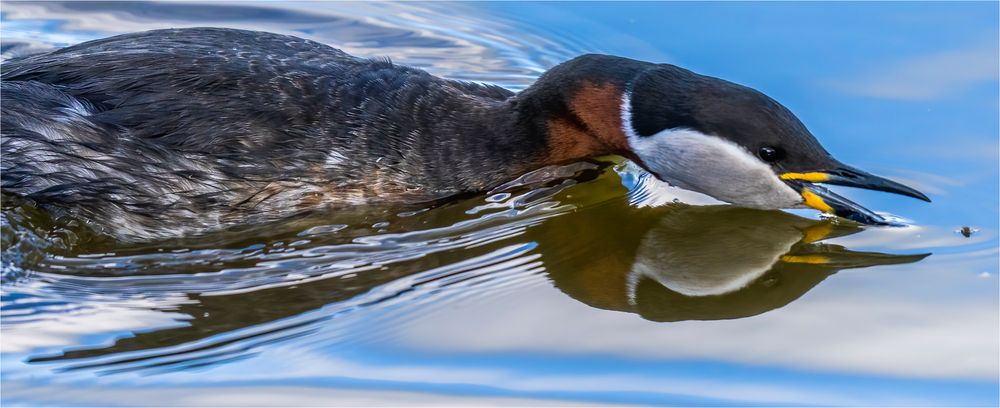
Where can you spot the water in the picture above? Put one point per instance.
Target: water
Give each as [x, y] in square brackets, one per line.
[590, 284]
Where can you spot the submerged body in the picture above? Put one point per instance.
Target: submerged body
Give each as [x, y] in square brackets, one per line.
[172, 132]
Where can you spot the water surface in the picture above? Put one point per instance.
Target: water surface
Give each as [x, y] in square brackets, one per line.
[588, 284]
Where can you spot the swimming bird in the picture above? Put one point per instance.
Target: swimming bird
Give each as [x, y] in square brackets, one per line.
[166, 133]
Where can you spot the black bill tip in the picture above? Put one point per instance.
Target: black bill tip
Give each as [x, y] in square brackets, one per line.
[852, 177]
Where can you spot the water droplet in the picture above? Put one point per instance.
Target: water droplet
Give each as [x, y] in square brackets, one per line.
[498, 197]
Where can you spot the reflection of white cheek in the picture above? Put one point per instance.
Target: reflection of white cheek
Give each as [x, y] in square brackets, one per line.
[708, 262]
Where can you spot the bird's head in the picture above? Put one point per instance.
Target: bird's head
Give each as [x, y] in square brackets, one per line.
[737, 145]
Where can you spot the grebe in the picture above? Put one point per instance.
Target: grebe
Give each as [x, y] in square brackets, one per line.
[165, 133]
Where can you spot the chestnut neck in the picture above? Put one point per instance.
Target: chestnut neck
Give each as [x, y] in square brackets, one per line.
[573, 112]
[577, 107]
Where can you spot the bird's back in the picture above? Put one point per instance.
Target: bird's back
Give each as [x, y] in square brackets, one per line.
[207, 127]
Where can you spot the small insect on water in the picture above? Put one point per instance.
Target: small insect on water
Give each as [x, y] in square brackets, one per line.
[967, 231]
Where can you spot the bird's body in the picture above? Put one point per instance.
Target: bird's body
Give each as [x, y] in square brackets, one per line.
[178, 131]
[172, 132]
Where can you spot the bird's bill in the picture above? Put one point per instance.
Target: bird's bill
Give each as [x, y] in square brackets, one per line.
[829, 202]
[841, 258]
[848, 176]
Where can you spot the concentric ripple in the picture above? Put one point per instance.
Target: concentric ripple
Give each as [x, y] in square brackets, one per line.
[467, 47]
[183, 295]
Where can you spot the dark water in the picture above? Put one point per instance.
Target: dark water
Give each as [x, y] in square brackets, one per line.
[589, 284]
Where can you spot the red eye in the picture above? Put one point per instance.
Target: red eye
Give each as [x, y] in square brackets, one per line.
[771, 154]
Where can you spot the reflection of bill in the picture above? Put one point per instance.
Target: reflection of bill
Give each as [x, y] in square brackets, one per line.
[705, 263]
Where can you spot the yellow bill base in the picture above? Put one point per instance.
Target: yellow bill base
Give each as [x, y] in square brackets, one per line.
[815, 177]
[815, 201]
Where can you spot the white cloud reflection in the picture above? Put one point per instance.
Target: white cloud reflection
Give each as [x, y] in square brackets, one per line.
[250, 396]
[70, 324]
[842, 333]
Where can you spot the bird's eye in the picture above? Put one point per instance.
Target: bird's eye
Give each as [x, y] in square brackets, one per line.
[771, 154]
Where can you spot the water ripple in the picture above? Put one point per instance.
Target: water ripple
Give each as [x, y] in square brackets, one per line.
[68, 296]
[468, 47]
[167, 288]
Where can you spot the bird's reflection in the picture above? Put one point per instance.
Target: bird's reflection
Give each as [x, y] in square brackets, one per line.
[700, 263]
[665, 264]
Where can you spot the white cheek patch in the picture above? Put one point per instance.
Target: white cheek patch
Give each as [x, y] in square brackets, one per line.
[710, 165]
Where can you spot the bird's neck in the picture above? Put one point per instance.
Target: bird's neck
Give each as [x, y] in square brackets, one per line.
[572, 112]
[582, 120]
[577, 106]
[533, 130]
